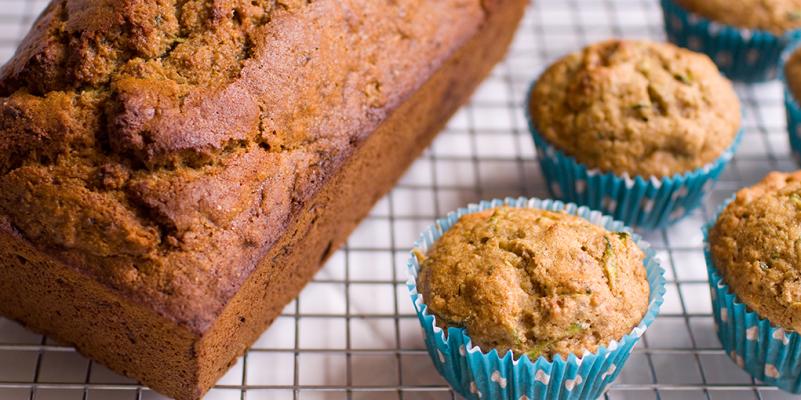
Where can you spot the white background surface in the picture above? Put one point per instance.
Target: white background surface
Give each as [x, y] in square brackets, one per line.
[353, 333]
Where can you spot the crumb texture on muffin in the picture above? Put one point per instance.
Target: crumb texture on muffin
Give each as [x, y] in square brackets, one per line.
[535, 282]
[756, 247]
[776, 16]
[636, 107]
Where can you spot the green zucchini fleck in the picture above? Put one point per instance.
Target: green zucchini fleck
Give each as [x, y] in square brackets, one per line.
[686, 79]
[539, 349]
[544, 345]
[577, 327]
[796, 199]
[610, 264]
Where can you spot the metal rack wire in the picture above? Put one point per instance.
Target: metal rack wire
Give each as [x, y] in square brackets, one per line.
[352, 333]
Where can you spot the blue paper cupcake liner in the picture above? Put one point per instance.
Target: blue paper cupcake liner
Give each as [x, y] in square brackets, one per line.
[646, 203]
[747, 55]
[791, 105]
[770, 354]
[478, 375]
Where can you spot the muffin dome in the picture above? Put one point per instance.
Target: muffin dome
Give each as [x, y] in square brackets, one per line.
[636, 107]
[535, 282]
[756, 246]
[775, 16]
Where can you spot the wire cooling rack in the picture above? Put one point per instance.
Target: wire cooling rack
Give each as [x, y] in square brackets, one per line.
[352, 333]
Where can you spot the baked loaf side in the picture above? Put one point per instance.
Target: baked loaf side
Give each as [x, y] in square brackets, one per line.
[776, 16]
[756, 247]
[637, 107]
[535, 282]
[164, 146]
[144, 222]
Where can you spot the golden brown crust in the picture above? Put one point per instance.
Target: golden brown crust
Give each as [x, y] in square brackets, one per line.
[756, 246]
[535, 282]
[636, 107]
[187, 128]
[776, 16]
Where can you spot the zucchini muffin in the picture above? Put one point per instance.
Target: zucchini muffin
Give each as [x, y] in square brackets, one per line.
[756, 247]
[636, 107]
[775, 16]
[535, 282]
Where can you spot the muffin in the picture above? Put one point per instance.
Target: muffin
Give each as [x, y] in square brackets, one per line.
[754, 260]
[535, 282]
[636, 107]
[756, 247]
[774, 16]
[791, 77]
[620, 110]
[532, 299]
[745, 40]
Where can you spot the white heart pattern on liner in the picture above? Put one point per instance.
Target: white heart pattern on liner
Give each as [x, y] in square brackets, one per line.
[694, 43]
[778, 334]
[571, 384]
[580, 186]
[610, 371]
[474, 389]
[556, 189]
[752, 333]
[737, 359]
[497, 378]
[746, 35]
[723, 58]
[542, 377]
[771, 371]
[647, 204]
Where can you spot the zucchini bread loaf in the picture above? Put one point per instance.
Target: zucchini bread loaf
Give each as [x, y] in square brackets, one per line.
[172, 172]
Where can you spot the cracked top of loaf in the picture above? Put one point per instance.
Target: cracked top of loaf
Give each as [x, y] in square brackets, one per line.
[756, 247]
[535, 282]
[636, 107]
[162, 146]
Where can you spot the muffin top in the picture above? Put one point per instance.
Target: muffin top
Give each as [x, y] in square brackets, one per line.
[792, 73]
[636, 107]
[535, 282]
[756, 247]
[776, 16]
